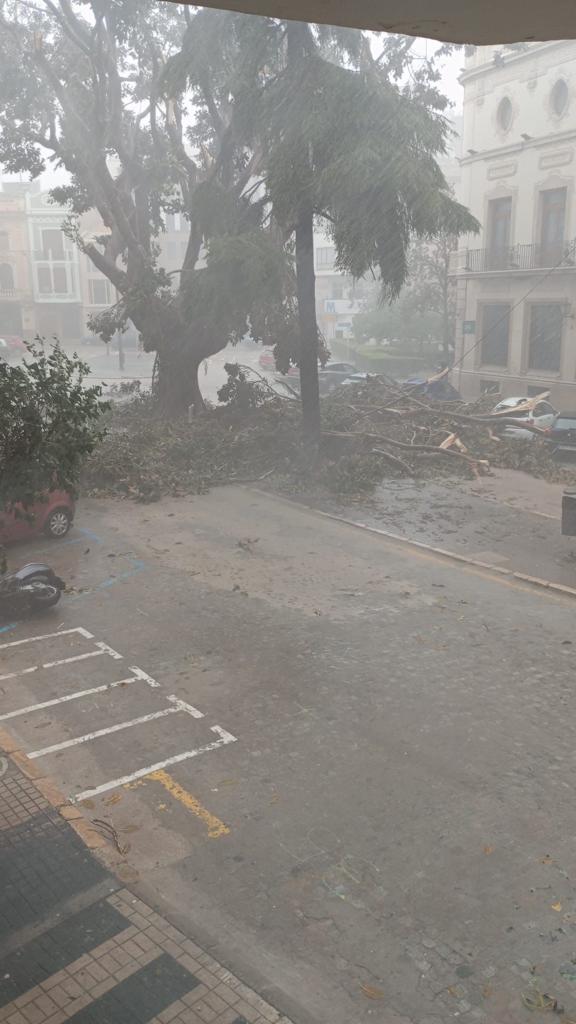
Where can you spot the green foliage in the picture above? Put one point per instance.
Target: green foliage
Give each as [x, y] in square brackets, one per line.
[402, 321]
[145, 455]
[425, 310]
[245, 286]
[49, 424]
[361, 150]
[240, 393]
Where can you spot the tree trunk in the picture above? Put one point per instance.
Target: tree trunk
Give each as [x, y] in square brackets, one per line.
[178, 386]
[306, 293]
[299, 47]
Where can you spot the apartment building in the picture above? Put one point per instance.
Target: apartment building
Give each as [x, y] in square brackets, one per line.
[54, 270]
[516, 328]
[47, 286]
[338, 297]
[16, 297]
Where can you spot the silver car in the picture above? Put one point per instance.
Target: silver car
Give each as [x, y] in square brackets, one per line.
[541, 416]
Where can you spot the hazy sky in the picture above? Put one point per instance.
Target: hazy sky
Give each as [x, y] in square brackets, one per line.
[451, 86]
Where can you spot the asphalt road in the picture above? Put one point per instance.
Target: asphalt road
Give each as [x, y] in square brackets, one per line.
[105, 366]
[355, 773]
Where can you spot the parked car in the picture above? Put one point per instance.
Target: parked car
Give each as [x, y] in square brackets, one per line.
[362, 378]
[562, 432]
[541, 416]
[52, 517]
[333, 374]
[441, 390]
[330, 376]
[11, 347]
[266, 360]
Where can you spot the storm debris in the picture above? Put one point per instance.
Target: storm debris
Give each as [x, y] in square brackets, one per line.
[371, 430]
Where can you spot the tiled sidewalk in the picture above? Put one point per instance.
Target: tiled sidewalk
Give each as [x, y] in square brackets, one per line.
[75, 946]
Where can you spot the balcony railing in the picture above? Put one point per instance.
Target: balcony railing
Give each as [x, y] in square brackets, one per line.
[10, 293]
[561, 255]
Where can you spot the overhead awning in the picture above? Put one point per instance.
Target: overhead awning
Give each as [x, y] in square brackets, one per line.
[456, 21]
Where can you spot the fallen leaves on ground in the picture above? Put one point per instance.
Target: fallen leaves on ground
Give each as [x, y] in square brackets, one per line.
[371, 991]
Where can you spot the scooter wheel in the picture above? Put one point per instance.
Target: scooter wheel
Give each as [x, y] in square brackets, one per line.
[39, 599]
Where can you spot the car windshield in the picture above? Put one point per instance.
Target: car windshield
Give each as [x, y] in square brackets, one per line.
[566, 422]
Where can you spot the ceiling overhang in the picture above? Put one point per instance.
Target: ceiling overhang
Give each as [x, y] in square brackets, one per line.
[456, 21]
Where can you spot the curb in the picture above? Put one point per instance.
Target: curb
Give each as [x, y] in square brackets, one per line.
[534, 581]
[562, 589]
[47, 788]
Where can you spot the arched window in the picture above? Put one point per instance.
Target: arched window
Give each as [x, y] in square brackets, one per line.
[504, 114]
[559, 98]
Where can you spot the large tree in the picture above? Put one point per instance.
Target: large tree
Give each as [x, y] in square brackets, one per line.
[351, 139]
[86, 87]
[349, 143]
[253, 128]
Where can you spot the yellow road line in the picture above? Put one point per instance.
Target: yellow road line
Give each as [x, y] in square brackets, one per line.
[216, 828]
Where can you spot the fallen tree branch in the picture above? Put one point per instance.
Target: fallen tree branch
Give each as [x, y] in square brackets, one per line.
[491, 421]
[395, 460]
[430, 449]
[448, 441]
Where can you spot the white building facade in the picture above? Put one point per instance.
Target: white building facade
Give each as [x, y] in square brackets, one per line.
[516, 328]
[338, 297]
[55, 270]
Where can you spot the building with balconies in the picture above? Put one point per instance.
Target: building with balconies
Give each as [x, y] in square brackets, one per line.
[54, 268]
[16, 298]
[516, 281]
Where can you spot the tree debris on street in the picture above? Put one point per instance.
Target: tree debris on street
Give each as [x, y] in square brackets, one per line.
[370, 430]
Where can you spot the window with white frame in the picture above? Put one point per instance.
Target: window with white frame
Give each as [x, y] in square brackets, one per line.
[100, 291]
[325, 257]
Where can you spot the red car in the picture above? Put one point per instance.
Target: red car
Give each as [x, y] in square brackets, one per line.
[53, 517]
[12, 347]
[267, 360]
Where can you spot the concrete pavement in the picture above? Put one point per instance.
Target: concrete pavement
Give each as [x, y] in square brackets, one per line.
[389, 833]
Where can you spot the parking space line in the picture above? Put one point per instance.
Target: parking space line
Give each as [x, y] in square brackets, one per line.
[183, 706]
[49, 636]
[102, 649]
[224, 738]
[105, 732]
[78, 694]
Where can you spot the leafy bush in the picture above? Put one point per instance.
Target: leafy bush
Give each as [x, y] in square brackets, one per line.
[50, 421]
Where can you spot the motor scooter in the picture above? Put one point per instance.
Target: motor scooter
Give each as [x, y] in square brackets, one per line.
[33, 587]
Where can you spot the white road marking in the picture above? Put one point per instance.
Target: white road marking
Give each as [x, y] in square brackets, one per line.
[138, 675]
[102, 649]
[182, 706]
[48, 636]
[225, 738]
[105, 732]
[176, 704]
